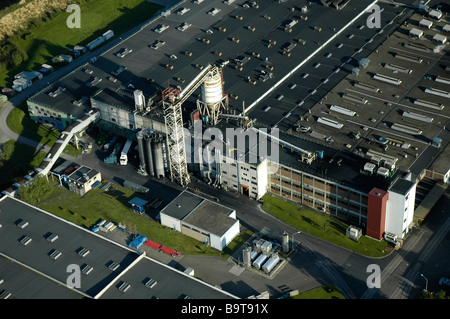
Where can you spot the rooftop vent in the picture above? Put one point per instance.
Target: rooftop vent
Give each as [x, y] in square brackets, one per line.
[151, 283]
[22, 224]
[25, 240]
[94, 82]
[81, 101]
[124, 286]
[83, 252]
[86, 269]
[55, 254]
[5, 294]
[114, 265]
[57, 92]
[52, 237]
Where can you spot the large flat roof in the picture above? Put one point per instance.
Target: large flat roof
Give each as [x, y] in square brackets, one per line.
[212, 217]
[79, 174]
[401, 186]
[182, 205]
[24, 283]
[36, 256]
[200, 213]
[329, 74]
[144, 62]
[389, 105]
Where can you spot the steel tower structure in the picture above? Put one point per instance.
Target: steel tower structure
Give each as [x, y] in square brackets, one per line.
[175, 136]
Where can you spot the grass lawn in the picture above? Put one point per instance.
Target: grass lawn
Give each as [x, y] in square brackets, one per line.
[19, 122]
[321, 226]
[326, 292]
[97, 204]
[53, 37]
[16, 160]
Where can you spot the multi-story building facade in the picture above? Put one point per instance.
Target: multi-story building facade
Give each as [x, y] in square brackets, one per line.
[319, 193]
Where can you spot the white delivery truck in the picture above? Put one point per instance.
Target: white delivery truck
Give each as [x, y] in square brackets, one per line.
[124, 155]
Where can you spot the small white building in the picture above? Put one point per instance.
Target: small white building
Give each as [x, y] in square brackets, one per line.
[400, 207]
[83, 179]
[209, 222]
[439, 38]
[446, 28]
[416, 33]
[435, 15]
[425, 23]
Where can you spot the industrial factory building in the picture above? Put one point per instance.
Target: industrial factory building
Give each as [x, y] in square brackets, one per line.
[37, 248]
[332, 157]
[207, 221]
[83, 179]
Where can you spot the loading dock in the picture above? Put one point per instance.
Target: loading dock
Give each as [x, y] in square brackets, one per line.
[245, 190]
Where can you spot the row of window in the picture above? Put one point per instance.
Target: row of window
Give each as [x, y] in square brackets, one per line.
[306, 177]
[341, 204]
[46, 112]
[196, 230]
[321, 193]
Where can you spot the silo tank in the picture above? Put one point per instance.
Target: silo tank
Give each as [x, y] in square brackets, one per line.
[270, 264]
[141, 150]
[259, 261]
[149, 155]
[247, 256]
[211, 89]
[254, 255]
[158, 156]
[139, 100]
[285, 242]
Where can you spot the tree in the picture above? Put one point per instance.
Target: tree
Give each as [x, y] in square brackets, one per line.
[431, 295]
[38, 189]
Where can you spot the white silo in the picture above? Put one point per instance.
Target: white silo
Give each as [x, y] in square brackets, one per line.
[285, 242]
[247, 256]
[213, 100]
[139, 100]
[212, 91]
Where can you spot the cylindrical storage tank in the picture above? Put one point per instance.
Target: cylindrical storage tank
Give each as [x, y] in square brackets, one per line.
[270, 264]
[285, 242]
[247, 256]
[254, 255]
[158, 159]
[139, 100]
[149, 155]
[260, 261]
[211, 89]
[141, 150]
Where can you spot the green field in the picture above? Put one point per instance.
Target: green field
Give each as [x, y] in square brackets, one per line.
[19, 122]
[322, 226]
[17, 160]
[51, 38]
[326, 292]
[113, 205]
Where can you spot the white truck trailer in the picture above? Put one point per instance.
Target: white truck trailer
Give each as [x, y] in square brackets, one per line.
[124, 154]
